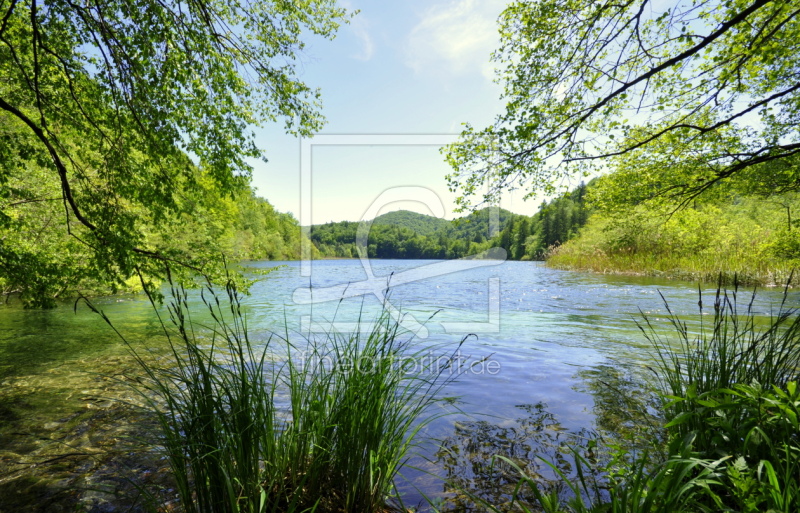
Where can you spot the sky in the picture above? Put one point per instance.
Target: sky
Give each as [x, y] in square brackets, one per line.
[396, 82]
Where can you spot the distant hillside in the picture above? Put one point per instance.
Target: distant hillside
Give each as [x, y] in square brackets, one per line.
[421, 224]
[405, 234]
[476, 226]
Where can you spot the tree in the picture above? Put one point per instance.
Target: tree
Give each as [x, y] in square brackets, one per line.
[125, 104]
[521, 233]
[696, 94]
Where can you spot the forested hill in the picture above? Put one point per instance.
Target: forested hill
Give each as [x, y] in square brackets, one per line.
[404, 234]
[421, 224]
[556, 222]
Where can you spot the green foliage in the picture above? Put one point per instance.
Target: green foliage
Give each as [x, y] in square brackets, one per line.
[785, 244]
[323, 425]
[477, 225]
[688, 481]
[40, 262]
[634, 183]
[682, 95]
[751, 443]
[101, 103]
[259, 232]
[745, 236]
[730, 387]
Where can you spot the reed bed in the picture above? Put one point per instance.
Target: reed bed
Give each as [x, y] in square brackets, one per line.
[746, 268]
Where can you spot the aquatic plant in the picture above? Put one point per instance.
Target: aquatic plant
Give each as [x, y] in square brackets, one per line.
[734, 348]
[317, 425]
[732, 407]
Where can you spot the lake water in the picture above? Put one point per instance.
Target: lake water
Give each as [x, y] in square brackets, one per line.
[546, 338]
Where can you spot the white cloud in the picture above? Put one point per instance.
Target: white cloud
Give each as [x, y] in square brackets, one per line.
[456, 37]
[360, 28]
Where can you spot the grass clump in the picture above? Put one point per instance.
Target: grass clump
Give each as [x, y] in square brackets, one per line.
[731, 404]
[324, 425]
[729, 359]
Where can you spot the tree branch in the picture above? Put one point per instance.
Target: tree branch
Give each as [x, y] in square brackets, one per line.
[67, 189]
[700, 129]
[39, 200]
[7, 16]
[690, 192]
[589, 111]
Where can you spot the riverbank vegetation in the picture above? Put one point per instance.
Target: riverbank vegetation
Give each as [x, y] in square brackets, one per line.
[753, 238]
[730, 403]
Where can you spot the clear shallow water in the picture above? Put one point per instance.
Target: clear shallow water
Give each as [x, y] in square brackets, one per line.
[543, 329]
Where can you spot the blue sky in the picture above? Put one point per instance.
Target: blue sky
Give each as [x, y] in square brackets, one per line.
[403, 67]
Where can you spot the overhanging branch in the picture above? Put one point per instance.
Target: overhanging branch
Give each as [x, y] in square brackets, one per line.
[67, 189]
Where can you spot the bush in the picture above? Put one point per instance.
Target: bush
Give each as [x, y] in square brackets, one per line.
[785, 244]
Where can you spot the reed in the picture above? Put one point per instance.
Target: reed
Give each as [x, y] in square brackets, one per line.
[323, 424]
[734, 348]
[739, 268]
[731, 402]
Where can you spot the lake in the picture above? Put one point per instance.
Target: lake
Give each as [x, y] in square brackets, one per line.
[546, 340]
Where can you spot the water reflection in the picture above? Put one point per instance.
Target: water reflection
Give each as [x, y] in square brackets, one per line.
[626, 407]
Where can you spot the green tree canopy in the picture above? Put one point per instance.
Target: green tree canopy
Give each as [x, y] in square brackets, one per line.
[687, 95]
[122, 107]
